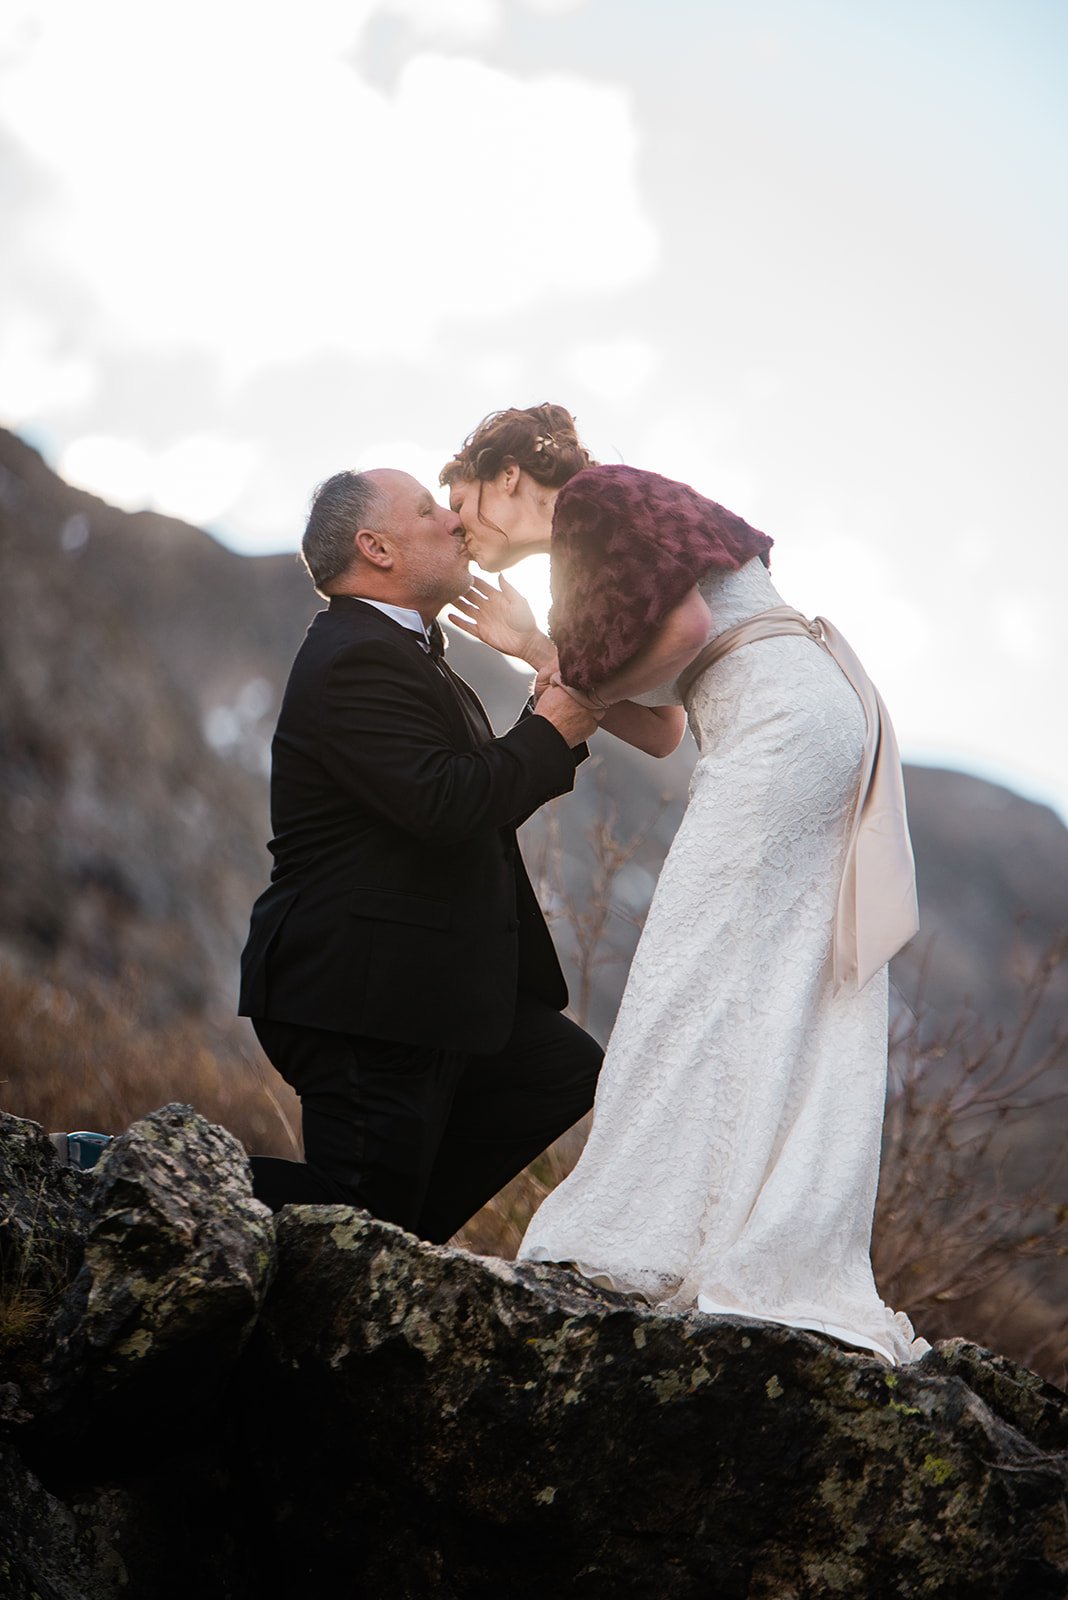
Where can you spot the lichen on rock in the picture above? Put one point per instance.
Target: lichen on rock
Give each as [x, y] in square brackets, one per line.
[376, 1416]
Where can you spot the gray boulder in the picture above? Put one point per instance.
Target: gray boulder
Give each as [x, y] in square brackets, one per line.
[384, 1418]
[178, 1258]
[173, 1260]
[115, 1462]
[463, 1426]
[44, 1218]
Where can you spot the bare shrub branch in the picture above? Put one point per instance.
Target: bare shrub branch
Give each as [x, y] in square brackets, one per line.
[970, 1236]
[91, 1058]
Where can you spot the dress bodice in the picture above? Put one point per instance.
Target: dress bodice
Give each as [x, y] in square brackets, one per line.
[731, 597]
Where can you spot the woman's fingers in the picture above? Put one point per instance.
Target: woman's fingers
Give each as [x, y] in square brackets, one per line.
[489, 600]
[462, 622]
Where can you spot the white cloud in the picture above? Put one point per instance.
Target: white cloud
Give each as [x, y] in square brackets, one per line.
[225, 180]
[496, 371]
[1022, 631]
[700, 447]
[428, 19]
[117, 469]
[39, 371]
[761, 384]
[612, 369]
[209, 190]
[470, 19]
[197, 478]
[552, 8]
[200, 477]
[268, 514]
[422, 461]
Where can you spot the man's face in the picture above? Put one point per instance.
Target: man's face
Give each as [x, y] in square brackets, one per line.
[430, 561]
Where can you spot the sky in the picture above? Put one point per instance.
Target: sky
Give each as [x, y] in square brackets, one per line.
[807, 255]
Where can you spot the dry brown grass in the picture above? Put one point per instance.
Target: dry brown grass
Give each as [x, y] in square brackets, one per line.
[38, 1261]
[89, 1059]
[28, 1289]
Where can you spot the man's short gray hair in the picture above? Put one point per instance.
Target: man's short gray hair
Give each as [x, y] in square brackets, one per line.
[341, 505]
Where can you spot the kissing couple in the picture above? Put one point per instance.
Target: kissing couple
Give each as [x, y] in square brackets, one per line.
[400, 975]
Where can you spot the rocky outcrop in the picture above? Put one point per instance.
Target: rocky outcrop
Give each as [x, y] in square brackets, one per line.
[143, 1280]
[114, 1462]
[213, 1401]
[487, 1418]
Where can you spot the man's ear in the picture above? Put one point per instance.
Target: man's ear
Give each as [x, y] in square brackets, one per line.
[372, 548]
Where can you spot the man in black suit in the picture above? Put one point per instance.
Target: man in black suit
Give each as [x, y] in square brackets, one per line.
[398, 971]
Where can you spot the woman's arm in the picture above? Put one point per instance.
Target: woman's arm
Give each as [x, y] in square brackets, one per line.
[656, 730]
[681, 636]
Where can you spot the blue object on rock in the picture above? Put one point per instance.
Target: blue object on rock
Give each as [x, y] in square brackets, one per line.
[82, 1150]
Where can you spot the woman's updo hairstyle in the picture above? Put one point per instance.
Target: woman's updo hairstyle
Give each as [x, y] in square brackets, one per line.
[540, 439]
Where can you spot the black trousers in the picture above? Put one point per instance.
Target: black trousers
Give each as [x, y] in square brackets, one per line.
[424, 1137]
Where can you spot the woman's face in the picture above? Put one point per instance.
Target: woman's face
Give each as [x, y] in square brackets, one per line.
[486, 511]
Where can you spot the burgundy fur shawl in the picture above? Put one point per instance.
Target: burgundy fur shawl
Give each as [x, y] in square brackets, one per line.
[627, 546]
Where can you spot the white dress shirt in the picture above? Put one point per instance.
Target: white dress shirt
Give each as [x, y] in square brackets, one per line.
[401, 614]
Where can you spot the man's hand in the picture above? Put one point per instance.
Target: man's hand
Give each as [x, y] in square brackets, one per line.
[570, 719]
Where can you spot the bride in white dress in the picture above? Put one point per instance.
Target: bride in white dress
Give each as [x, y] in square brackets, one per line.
[733, 1158]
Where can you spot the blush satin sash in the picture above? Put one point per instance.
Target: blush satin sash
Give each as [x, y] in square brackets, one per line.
[877, 910]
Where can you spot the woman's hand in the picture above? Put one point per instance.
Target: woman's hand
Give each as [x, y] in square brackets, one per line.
[543, 681]
[503, 619]
[590, 701]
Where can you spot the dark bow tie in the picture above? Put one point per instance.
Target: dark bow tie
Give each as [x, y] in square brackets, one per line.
[465, 698]
[435, 638]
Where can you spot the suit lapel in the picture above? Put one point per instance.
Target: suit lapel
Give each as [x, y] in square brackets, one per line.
[474, 711]
[462, 707]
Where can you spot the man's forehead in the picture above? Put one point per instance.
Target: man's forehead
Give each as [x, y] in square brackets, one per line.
[393, 482]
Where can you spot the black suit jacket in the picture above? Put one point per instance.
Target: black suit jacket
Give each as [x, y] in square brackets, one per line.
[398, 906]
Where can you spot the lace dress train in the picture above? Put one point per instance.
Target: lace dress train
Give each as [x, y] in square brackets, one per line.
[733, 1158]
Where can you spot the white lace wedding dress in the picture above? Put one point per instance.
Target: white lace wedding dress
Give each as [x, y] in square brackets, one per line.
[734, 1154]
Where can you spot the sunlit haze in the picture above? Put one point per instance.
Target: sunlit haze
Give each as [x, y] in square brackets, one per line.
[807, 255]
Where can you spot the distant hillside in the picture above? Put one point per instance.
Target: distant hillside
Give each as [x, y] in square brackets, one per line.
[992, 870]
[140, 669]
